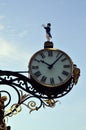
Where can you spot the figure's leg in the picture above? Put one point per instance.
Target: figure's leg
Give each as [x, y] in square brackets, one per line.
[47, 36]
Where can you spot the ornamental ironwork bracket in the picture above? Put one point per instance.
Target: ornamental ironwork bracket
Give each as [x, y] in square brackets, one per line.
[26, 94]
[21, 84]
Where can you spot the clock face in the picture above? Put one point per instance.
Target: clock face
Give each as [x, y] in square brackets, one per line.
[50, 67]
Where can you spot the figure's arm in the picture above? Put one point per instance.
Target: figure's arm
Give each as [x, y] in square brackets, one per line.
[43, 26]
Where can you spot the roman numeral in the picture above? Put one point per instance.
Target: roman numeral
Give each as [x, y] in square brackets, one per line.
[64, 59]
[57, 54]
[42, 55]
[60, 78]
[66, 66]
[65, 73]
[52, 81]
[37, 60]
[35, 67]
[43, 79]
[50, 53]
[37, 74]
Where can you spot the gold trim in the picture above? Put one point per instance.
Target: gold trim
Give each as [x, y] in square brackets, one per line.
[48, 85]
[76, 74]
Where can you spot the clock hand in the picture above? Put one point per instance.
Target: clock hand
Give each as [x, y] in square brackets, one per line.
[45, 62]
[42, 62]
[55, 61]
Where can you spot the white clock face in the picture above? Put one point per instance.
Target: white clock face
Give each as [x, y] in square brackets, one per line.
[50, 67]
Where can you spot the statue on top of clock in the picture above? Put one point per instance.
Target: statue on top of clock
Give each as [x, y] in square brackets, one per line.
[48, 29]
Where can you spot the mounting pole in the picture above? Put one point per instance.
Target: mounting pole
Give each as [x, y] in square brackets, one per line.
[2, 120]
[2, 124]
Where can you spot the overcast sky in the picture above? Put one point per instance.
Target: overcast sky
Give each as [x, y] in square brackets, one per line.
[21, 35]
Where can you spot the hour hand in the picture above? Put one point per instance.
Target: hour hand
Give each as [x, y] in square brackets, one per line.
[45, 62]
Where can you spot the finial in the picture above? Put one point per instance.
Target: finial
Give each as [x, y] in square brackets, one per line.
[48, 44]
[48, 29]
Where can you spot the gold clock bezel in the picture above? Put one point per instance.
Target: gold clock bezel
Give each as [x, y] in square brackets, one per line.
[48, 85]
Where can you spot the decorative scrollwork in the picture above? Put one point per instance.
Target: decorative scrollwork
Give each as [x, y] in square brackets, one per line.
[14, 109]
[16, 80]
[31, 97]
[31, 104]
[51, 102]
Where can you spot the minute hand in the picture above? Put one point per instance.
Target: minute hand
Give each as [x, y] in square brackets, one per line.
[55, 61]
